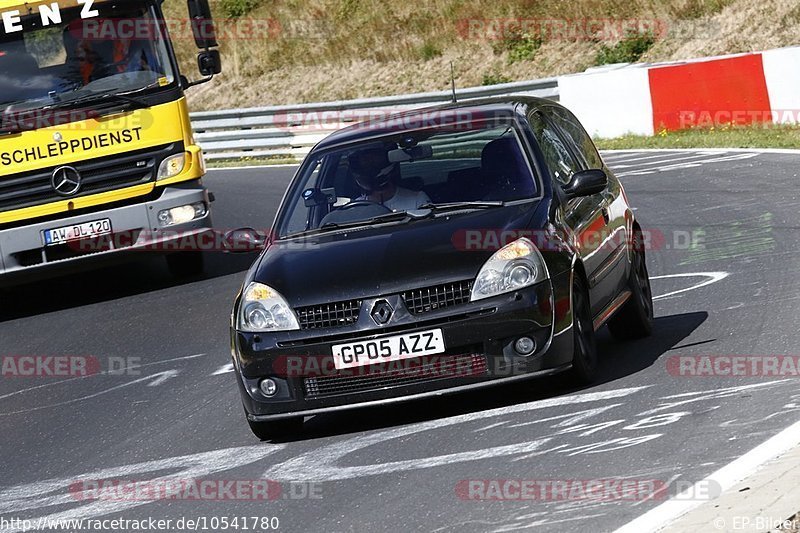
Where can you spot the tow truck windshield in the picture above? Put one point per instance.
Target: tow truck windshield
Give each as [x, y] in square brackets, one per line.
[122, 49]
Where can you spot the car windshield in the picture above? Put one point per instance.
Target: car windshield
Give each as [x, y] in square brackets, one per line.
[461, 166]
[119, 49]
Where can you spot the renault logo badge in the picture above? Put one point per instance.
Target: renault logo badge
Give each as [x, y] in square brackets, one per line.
[381, 312]
[66, 181]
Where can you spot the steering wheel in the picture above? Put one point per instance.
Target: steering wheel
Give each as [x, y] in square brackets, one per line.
[363, 203]
[355, 211]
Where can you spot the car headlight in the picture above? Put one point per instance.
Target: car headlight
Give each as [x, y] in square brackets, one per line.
[514, 266]
[171, 166]
[263, 309]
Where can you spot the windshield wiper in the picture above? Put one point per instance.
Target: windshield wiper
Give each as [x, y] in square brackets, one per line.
[98, 98]
[457, 206]
[399, 216]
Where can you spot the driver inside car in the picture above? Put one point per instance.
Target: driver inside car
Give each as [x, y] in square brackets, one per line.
[379, 179]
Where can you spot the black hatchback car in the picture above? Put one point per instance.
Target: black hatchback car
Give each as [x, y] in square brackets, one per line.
[436, 251]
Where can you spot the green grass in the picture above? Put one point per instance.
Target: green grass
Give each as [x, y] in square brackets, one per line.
[429, 51]
[495, 79]
[518, 46]
[237, 8]
[628, 50]
[725, 137]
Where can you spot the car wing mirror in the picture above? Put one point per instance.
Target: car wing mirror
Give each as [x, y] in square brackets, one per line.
[586, 183]
[244, 240]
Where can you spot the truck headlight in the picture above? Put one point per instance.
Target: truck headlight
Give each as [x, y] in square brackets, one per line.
[263, 309]
[514, 266]
[171, 166]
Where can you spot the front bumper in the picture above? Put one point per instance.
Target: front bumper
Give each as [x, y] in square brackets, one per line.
[24, 257]
[479, 338]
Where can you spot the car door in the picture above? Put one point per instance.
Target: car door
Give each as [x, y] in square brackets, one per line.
[587, 218]
[613, 275]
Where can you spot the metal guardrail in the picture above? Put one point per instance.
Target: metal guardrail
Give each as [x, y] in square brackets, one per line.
[291, 131]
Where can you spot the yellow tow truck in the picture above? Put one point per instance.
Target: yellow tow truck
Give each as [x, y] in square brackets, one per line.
[97, 155]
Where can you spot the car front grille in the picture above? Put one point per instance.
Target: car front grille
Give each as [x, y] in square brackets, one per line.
[332, 315]
[396, 374]
[97, 175]
[421, 301]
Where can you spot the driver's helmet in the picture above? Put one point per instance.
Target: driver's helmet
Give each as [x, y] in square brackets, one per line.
[371, 168]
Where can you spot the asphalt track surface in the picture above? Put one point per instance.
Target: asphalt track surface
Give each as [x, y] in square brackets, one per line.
[725, 273]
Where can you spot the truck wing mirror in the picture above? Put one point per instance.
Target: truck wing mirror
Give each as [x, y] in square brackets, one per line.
[209, 62]
[205, 34]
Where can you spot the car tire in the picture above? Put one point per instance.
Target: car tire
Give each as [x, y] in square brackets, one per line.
[186, 264]
[584, 357]
[277, 429]
[634, 320]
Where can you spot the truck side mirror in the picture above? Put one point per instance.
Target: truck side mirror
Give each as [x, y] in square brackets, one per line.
[209, 62]
[205, 34]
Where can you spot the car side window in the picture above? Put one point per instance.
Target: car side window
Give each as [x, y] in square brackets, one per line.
[577, 135]
[557, 156]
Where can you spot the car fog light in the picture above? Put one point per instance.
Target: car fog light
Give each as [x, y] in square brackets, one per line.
[525, 346]
[182, 214]
[268, 387]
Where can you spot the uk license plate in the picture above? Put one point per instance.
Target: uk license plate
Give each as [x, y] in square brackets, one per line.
[385, 349]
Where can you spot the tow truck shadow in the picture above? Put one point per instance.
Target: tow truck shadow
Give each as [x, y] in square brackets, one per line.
[617, 360]
[131, 278]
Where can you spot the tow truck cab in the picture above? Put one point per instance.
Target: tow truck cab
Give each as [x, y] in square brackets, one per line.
[97, 154]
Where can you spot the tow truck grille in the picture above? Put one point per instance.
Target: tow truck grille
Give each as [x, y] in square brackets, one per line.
[365, 379]
[331, 315]
[97, 175]
[429, 299]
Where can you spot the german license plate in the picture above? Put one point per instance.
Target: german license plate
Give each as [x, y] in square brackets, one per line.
[76, 232]
[385, 349]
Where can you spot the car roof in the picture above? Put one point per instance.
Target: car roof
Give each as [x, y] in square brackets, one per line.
[494, 107]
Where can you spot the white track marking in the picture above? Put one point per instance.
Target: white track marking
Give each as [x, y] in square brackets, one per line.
[132, 367]
[787, 151]
[713, 277]
[163, 378]
[690, 164]
[157, 378]
[55, 492]
[659, 159]
[726, 477]
[328, 463]
[705, 395]
[224, 369]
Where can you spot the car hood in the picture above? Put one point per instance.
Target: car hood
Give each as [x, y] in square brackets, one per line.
[369, 262]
